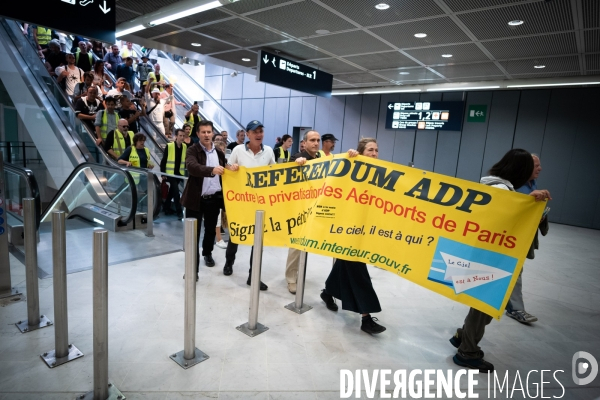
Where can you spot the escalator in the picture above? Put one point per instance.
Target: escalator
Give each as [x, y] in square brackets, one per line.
[63, 141]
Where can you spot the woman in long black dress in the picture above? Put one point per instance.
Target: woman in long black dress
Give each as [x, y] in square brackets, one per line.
[349, 281]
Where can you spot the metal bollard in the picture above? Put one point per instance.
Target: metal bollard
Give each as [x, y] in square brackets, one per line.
[150, 214]
[190, 355]
[252, 327]
[34, 319]
[6, 290]
[297, 305]
[63, 351]
[103, 389]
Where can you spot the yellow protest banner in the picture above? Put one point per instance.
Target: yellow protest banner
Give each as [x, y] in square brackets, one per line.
[461, 239]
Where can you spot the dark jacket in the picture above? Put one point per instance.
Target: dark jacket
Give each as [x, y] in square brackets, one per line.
[304, 154]
[195, 163]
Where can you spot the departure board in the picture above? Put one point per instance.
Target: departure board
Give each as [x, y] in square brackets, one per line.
[433, 115]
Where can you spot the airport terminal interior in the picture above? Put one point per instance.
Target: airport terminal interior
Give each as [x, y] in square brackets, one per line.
[94, 241]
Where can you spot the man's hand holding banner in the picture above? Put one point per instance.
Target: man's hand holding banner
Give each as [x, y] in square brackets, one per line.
[461, 239]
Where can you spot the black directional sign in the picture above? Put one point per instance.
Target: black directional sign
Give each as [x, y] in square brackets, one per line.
[436, 115]
[290, 74]
[92, 19]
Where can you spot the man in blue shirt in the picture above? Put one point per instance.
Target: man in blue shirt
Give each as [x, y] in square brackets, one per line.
[125, 70]
[112, 60]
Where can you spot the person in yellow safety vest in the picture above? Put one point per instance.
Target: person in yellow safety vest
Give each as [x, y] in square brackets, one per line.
[83, 62]
[282, 154]
[106, 120]
[188, 131]
[134, 156]
[156, 76]
[118, 140]
[42, 36]
[327, 144]
[173, 163]
[192, 118]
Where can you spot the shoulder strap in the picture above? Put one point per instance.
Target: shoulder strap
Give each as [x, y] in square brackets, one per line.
[152, 109]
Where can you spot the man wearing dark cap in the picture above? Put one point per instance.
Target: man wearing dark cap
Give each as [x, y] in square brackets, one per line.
[327, 144]
[143, 69]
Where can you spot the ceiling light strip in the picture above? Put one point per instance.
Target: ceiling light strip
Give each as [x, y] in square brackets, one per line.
[554, 84]
[188, 12]
[130, 30]
[463, 88]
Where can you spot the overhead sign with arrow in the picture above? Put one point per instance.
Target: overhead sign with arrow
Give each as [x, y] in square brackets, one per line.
[92, 19]
[432, 115]
[477, 113]
[284, 72]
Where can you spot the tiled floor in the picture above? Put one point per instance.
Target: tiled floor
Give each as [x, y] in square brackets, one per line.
[300, 356]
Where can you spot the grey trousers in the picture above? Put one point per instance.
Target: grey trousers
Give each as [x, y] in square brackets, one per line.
[516, 298]
[471, 334]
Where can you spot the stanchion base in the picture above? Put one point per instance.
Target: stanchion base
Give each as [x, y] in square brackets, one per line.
[301, 310]
[51, 360]
[113, 394]
[199, 356]
[24, 326]
[260, 328]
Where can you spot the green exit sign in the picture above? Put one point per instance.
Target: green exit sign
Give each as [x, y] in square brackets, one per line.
[477, 113]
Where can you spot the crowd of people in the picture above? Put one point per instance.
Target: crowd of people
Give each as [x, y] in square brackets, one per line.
[201, 154]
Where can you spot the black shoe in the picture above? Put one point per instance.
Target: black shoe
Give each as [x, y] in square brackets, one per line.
[167, 211]
[370, 326]
[209, 261]
[262, 285]
[228, 269]
[329, 302]
[477, 363]
[455, 341]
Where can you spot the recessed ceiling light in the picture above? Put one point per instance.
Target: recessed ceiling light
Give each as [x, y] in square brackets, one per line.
[246, 59]
[539, 66]
[196, 44]
[404, 73]
[322, 31]
[515, 22]
[382, 6]
[420, 35]
[446, 55]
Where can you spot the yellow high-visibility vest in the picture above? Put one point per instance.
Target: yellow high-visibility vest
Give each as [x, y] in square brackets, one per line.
[119, 142]
[170, 168]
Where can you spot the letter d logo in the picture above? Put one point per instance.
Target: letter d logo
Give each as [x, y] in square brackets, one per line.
[583, 367]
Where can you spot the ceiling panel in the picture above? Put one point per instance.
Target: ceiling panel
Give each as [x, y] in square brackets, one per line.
[334, 66]
[591, 13]
[438, 30]
[592, 40]
[540, 17]
[124, 15]
[390, 59]
[296, 50]
[156, 31]
[468, 70]
[355, 42]
[544, 75]
[240, 32]
[413, 74]
[554, 64]
[245, 6]
[592, 62]
[479, 78]
[547, 45]
[236, 57]
[365, 13]
[185, 38]
[201, 18]
[463, 5]
[461, 53]
[301, 19]
[145, 6]
[360, 78]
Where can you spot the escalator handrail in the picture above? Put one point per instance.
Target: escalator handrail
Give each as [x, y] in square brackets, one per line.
[165, 55]
[82, 166]
[32, 188]
[85, 154]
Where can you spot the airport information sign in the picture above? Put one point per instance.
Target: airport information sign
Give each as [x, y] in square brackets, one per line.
[435, 115]
[280, 71]
[92, 19]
